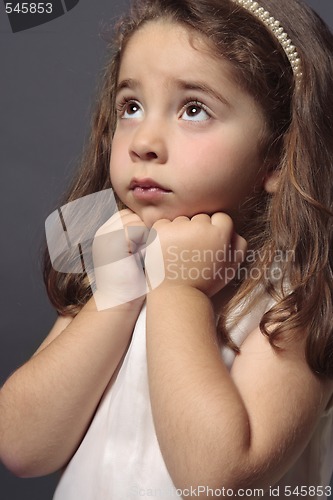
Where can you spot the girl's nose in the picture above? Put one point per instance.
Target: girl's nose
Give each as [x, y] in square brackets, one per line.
[148, 144]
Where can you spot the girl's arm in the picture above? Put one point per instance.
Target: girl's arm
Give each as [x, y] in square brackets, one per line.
[218, 429]
[48, 403]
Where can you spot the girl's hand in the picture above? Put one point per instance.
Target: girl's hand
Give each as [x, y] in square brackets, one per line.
[118, 254]
[203, 252]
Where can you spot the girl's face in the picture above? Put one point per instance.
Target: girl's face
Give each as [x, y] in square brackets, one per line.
[187, 137]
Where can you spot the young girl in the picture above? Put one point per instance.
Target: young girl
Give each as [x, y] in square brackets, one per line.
[218, 381]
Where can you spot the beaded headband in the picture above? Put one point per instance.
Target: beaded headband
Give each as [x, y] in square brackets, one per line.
[275, 27]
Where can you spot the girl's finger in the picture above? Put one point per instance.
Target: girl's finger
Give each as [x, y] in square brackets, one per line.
[136, 236]
[180, 218]
[203, 218]
[161, 222]
[222, 220]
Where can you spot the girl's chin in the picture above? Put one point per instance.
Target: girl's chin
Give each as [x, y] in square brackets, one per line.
[149, 217]
[149, 220]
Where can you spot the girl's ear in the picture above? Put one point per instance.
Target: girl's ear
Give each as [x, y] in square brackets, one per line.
[271, 181]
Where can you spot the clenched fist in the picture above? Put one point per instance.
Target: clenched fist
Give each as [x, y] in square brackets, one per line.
[118, 255]
[203, 252]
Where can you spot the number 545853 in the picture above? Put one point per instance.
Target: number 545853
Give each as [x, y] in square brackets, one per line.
[28, 8]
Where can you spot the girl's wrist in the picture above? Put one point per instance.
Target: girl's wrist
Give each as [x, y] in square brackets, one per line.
[100, 304]
[166, 292]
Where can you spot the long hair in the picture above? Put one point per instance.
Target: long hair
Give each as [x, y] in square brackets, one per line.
[296, 221]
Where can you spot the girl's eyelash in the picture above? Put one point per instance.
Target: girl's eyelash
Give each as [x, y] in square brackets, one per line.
[194, 102]
[189, 101]
[120, 106]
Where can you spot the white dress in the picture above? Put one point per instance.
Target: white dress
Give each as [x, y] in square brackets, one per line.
[119, 457]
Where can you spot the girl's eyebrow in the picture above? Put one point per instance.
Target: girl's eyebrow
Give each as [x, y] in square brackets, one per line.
[202, 87]
[132, 84]
[129, 83]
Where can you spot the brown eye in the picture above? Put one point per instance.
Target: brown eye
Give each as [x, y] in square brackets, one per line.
[193, 111]
[196, 112]
[132, 108]
[129, 108]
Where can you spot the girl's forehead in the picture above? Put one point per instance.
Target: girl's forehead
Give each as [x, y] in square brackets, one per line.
[174, 45]
[164, 33]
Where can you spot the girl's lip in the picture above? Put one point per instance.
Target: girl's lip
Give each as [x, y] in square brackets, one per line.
[148, 190]
[147, 185]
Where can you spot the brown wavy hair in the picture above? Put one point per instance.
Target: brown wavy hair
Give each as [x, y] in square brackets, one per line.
[297, 220]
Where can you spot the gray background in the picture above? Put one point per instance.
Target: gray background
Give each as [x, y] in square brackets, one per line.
[48, 78]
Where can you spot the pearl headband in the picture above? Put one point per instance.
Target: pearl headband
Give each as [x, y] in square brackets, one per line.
[274, 26]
